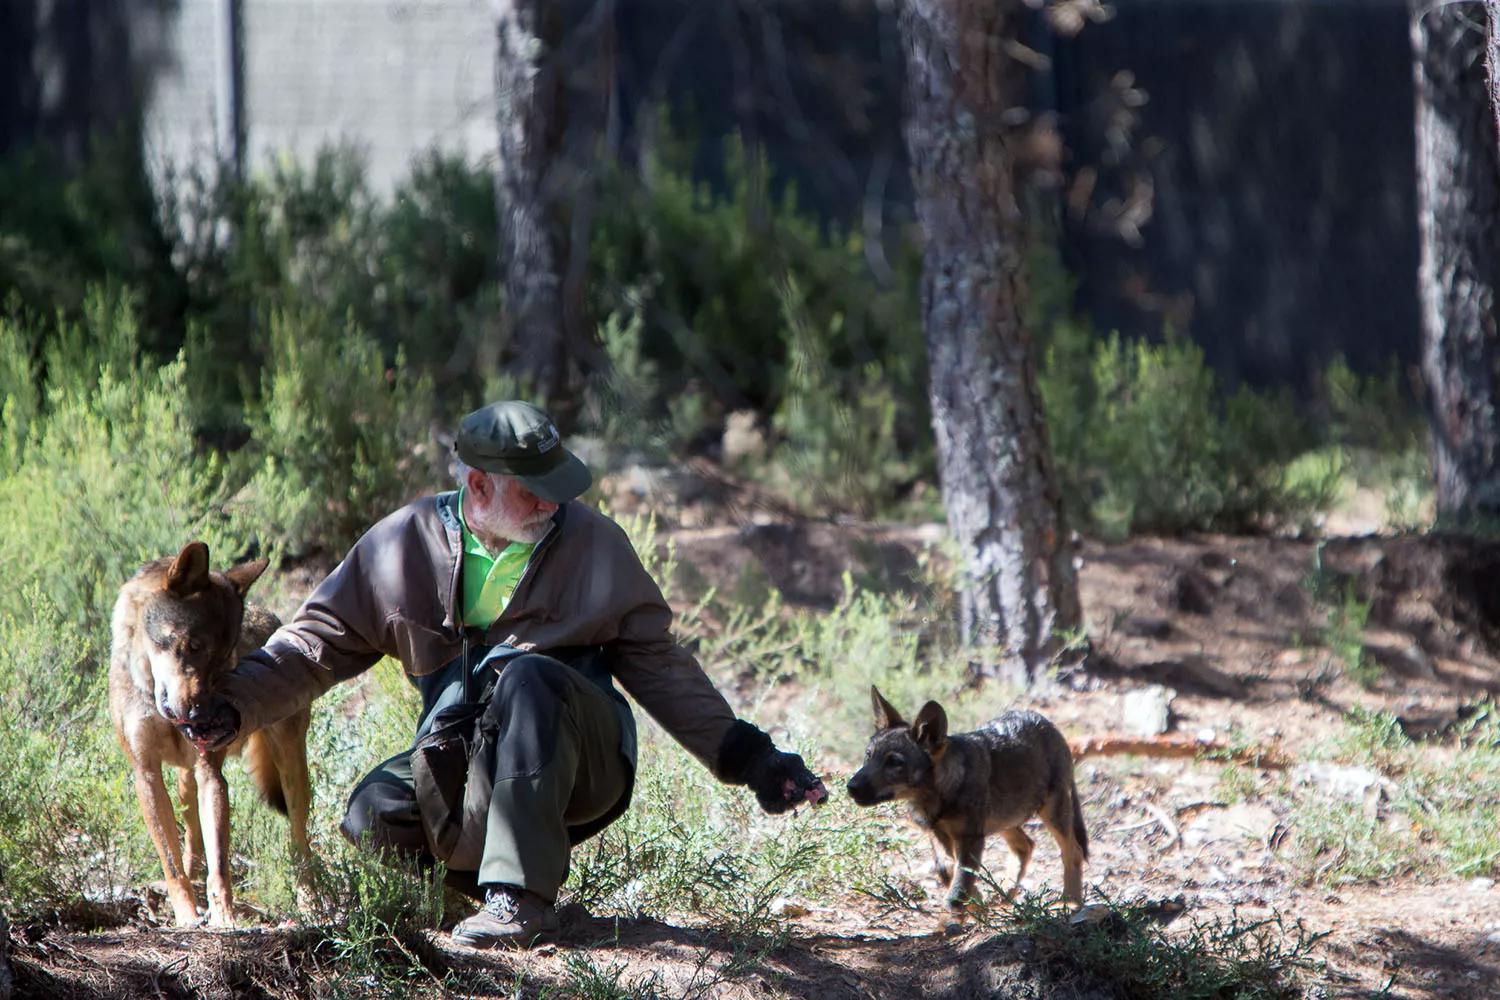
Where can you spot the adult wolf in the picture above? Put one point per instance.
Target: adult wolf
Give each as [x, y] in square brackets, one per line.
[177, 626]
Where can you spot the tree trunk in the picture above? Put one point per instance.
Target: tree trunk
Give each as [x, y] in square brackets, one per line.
[1458, 195]
[994, 459]
[554, 76]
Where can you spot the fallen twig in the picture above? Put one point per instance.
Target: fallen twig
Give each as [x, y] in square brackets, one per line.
[1178, 747]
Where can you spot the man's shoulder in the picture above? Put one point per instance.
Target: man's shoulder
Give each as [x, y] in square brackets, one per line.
[424, 514]
[588, 524]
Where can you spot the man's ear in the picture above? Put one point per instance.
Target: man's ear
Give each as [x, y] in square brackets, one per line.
[480, 484]
[885, 715]
[930, 730]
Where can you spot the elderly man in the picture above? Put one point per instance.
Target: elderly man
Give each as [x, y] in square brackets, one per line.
[510, 592]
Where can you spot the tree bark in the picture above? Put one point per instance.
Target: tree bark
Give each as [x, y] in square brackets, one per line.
[554, 77]
[1458, 196]
[1004, 509]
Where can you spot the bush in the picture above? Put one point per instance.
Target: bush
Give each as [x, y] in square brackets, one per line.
[343, 436]
[70, 829]
[108, 474]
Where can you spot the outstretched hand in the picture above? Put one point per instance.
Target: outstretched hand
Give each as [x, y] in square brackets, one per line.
[213, 728]
[781, 781]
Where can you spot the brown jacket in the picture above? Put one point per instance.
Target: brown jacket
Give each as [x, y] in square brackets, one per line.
[396, 594]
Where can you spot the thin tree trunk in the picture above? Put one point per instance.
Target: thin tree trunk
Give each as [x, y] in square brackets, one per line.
[554, 75]
[1458, 191]
[994, 459]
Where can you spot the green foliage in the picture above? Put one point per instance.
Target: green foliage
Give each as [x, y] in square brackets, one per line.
[1159, 452]
[1438, 809]
[341, 432]
[70, 829]
[748, 304]
[839, 450]
[1132, 951]
[109, 475]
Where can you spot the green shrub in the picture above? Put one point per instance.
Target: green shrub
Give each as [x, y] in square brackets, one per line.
[342, 433]
[708, 273]
[109, 475]
[70, 829]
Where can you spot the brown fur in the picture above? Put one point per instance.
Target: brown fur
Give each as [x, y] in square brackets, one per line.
[964, 786]
[177, 628]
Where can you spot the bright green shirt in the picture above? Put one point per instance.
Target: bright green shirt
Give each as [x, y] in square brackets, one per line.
[489, 580]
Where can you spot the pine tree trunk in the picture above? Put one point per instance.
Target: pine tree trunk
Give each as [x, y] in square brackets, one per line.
[994, 458]
[1458, 192]
[554, 74]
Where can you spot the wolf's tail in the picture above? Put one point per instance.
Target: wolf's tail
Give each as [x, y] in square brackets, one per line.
[263, 771]
[1079, 833]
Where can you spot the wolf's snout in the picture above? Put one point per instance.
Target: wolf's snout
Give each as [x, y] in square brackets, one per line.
[860, 791]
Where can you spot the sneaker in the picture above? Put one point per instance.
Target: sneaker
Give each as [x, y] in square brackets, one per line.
[510, 918]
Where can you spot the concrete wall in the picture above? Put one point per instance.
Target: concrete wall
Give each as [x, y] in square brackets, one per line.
[394, 77]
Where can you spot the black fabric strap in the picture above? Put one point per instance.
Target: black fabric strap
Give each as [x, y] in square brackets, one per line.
[742, 743]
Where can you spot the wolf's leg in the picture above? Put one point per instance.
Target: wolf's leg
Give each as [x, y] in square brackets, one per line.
[1058, 816]
[161, 823]
[288, 746]
[941, 853]
[213, 800]
[968, 856]
[1021, 846]
[187, 798]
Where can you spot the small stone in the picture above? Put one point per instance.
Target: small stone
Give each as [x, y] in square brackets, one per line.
[1481, 884]
[1147, 711]
[788, 909]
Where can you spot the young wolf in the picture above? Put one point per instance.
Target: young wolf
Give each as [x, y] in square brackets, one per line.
[177, 627]
[965, 786]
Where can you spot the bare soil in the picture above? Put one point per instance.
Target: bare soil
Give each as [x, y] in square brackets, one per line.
[1228, 624]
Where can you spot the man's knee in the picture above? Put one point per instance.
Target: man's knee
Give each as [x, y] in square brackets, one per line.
[359, 820]
[532, 678]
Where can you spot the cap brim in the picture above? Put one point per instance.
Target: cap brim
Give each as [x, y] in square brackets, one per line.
[566, 482]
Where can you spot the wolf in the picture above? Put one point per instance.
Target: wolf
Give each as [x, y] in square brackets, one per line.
[964, 786]
[177, 627]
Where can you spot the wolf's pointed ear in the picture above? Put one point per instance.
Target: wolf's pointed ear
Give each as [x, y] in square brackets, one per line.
[188, 573]
[886, 716]
[930, 730]
[243, 575]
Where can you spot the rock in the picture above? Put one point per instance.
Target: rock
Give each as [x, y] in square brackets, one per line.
[1239, 823]
[1481, 884]
[1339, 781]
[1192, 592]
[1147, 711]
[742, 438]
[788, 909]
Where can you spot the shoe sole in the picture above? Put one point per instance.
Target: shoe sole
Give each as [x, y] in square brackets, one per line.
[519, 942]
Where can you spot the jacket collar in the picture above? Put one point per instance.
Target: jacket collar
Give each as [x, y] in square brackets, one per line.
[448, 514]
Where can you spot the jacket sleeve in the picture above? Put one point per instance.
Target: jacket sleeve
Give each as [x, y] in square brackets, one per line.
[666, 680]
[337, 634]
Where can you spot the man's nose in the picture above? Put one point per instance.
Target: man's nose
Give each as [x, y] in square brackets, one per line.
[546, 506]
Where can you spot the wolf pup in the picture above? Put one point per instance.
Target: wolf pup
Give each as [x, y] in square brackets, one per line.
[177, 627]
[965, 786]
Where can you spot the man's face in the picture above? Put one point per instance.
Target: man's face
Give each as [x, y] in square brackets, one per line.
[500, 508]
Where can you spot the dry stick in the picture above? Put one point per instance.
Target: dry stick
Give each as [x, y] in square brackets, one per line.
[1112, 746]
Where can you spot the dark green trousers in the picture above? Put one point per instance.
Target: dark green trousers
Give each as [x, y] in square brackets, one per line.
[559, 775]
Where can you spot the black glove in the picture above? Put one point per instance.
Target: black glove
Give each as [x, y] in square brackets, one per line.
[213, 727]
[780, 780]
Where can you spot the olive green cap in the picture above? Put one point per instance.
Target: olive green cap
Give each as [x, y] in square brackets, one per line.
[514, 438]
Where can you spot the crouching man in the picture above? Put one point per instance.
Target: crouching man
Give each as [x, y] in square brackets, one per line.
[510, 596]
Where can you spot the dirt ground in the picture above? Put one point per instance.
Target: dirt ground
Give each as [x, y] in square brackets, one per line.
[1227, 624]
